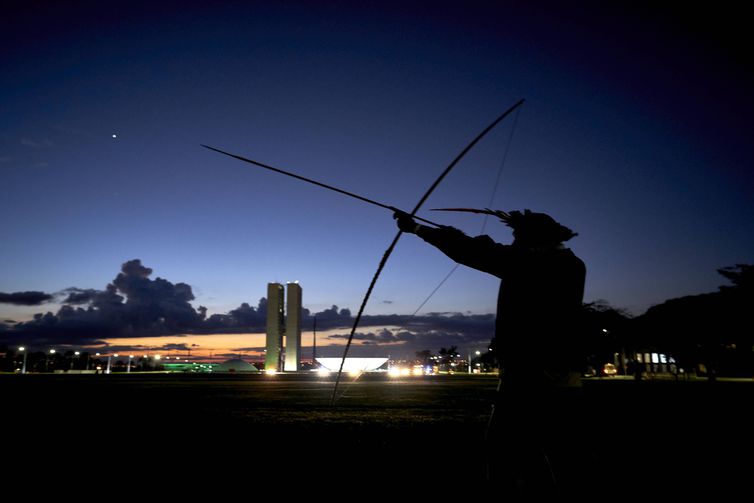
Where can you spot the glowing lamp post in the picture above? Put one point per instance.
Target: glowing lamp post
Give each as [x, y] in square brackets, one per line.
[47, 360]
[23, 367]
[477, 353]
[130, 357]
[108, 362]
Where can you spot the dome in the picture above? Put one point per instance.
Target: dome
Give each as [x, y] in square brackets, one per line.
[352, 364]
[235, 365]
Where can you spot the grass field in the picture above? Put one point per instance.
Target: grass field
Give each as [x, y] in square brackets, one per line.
[671, 435]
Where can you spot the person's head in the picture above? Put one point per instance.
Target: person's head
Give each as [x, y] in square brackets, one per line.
[529, 228]
[535, 229]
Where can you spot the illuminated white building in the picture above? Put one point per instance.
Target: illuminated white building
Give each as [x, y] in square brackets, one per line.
[283, 321]
[352, 364]
[275, 327]
[293, 328]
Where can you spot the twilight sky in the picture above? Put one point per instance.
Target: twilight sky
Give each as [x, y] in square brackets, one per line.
[636, 133]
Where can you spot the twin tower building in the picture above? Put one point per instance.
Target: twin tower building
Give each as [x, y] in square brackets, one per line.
[283, 321]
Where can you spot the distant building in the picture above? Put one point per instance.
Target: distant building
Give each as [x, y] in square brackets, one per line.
[275, 327]
[293, 328]
[231, 366]
[352, 364]
[235, 365]
[283, 321]
[189, 367]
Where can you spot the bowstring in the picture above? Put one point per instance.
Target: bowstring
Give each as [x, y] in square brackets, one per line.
[486, 216]
[389, 250]
[456, 265]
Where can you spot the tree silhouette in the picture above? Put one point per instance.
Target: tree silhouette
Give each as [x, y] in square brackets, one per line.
[708, 329]
[741, 275]
[448, 356]
[424, 356]
[605, 334]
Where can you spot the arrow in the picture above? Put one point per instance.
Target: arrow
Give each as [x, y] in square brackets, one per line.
[502, 215]
[319, 184]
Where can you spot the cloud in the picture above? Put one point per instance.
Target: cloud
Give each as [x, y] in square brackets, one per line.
[79, 296]
[31, 298]
[384, 336]
[330, 318]
[36, 143]
[132, 305]
[175, 347]
[244, 318]
[135, 305]
[404, 334]
[235, 355]
[248, 349]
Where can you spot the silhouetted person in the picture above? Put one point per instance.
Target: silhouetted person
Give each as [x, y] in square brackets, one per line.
[534, 427]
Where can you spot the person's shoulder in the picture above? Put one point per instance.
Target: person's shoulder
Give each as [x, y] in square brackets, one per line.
[569, 252]
[572, 257]
[486, 241]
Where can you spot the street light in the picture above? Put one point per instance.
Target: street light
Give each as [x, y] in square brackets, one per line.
[23, 367]
[477, 353]
[130, 357]
[47, 361]
[108, 362]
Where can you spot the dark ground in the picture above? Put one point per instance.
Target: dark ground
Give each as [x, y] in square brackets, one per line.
[652, 439]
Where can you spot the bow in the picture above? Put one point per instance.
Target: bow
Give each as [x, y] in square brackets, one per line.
[390, 248]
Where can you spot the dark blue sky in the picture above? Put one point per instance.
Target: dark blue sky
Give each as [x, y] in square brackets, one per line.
[636, 133]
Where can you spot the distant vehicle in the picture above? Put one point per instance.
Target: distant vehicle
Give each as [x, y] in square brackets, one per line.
[609, 369]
